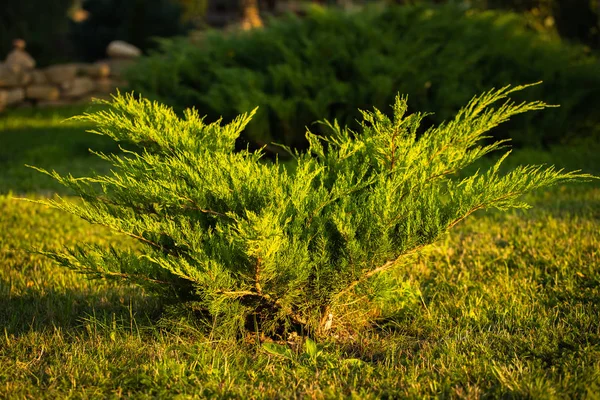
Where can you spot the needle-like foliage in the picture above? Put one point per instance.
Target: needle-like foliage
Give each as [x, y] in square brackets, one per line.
[257, 246]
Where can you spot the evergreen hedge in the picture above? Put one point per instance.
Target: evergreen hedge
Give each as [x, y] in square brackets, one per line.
[331, 63]
[257, 247]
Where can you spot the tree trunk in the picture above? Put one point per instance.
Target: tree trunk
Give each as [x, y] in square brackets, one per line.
[250, 15]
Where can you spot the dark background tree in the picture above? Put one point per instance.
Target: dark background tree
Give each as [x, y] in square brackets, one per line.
[52, 37]
[42, 24]
[575, 20]
[578, 20]
[135, 21]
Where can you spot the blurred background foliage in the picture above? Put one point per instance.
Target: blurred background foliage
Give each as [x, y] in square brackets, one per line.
[327, 62]
[79, 29]
[135, 21]
[44, 24]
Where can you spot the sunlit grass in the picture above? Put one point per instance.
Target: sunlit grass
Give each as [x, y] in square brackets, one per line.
[505, 306]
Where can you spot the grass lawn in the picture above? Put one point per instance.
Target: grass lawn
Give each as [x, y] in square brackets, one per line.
[507, 305]
[43, 138]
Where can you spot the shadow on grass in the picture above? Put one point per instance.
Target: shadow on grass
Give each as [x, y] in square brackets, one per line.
[75, 310]
[61, 148]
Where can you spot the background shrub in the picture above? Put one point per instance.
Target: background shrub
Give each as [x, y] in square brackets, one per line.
[331, 63]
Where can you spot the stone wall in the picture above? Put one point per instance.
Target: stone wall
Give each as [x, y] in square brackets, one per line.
[24, 85]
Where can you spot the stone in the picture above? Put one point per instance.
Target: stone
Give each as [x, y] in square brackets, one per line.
[3, 100]
[9, 77]
[79, 87]
[66, 85]
[108, 85]
[15, 96]
[96, 70]
[26, 78]
[121, 49]
[18, 58]
[117, 66]
[105, 85]
[11, 97]
[42, 92]
[38, 77]
[61, 73]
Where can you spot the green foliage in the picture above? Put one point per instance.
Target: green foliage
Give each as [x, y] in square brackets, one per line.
[258, 248]
[330, 63]
[136, 21]
[517, 317]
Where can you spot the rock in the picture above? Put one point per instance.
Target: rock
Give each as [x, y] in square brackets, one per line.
[61, 73]
[42, 92]
[26, 78]
[108, 85]
[14, 96]
[117, 66]
[97, 70]
[9, 77]
[18, 58]
[79, 87]
[38, 77]
[105, 85]
[66, 85]
[11, 97]
[121, 49]
[3, 100]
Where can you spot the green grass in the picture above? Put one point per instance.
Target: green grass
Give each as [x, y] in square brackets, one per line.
[43, 138]
[506, 306]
